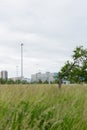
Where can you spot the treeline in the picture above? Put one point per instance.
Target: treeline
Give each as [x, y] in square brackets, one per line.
[10, 81]
[45, 82]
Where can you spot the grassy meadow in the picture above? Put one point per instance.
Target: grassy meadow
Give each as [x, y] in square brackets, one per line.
[43, 107]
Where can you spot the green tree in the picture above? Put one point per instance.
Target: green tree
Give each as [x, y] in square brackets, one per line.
[3, 81]
[75, 71]
[10, 81]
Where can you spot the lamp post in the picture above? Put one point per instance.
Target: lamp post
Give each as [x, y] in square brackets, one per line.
[21, 61]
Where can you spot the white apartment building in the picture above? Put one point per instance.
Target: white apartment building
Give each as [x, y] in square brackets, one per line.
[43, 77]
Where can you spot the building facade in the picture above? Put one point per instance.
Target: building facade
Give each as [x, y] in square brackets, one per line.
[4, 75]
[49, 77]
[19, 78]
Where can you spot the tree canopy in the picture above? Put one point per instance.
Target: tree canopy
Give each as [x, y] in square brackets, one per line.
[76, 70]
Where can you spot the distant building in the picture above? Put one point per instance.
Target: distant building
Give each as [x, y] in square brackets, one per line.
[50, 77]
[66, 82]
[0, 75]
[19, 78]
[4, 75]
[27, 80]
[15, 78]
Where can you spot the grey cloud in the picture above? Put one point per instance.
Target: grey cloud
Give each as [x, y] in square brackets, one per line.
[50, 30]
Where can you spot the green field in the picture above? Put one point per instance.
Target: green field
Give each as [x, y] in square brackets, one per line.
[43, 107]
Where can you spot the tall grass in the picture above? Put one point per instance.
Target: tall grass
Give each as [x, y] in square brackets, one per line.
[43, 107]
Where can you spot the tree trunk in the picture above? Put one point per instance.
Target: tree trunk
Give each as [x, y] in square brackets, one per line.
[60, 83]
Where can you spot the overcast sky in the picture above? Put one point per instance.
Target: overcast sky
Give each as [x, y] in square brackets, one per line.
[49, 29]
